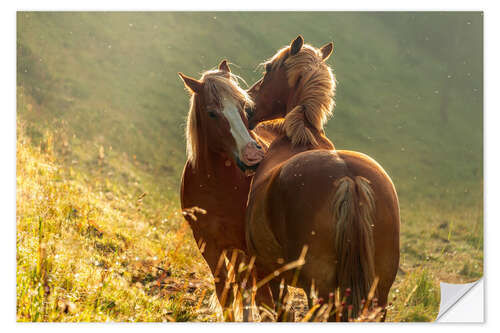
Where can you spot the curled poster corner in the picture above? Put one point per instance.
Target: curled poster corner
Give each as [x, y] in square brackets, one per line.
[461, 303]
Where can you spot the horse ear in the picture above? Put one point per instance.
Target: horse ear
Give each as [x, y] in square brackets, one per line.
[326, 50]
[192, 84]
[296, 45]
[224, 66]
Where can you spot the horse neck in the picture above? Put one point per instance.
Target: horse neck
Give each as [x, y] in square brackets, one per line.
[265, 135]
[217, 169]
[282, 148]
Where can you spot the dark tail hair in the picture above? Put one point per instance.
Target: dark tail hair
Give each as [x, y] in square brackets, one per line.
[353, 209]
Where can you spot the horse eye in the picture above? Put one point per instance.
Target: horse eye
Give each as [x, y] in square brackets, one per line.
[212, 114]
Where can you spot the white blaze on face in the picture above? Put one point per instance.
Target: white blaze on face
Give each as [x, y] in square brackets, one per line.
[245, 145]
[238, 129]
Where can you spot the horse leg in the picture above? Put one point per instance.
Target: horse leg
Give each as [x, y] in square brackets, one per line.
[246, 281]
[215, 259]
[232, 278]
[280, 303]
[383, 292]
[387, 257]
[264, 297]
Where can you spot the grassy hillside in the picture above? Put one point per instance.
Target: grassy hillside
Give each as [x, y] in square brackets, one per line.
[98, 94]
[92, 250]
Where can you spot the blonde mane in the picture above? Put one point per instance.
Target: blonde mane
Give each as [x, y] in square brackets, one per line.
[314, 91]
[217, 86]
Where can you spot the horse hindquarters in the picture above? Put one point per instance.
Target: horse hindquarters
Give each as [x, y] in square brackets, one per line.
[344, 207]
[386, 222]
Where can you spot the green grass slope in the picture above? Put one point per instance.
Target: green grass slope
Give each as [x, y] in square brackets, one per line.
[104, 88]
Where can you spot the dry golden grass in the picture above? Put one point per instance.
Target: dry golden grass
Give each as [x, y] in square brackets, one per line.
[89, 255]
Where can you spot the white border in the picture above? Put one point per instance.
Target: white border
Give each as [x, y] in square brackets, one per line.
[257, 5]
[8, 126]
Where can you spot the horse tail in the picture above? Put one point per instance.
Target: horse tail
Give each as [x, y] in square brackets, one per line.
[353, 210]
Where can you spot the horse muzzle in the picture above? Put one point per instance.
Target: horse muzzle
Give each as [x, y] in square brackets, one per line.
[252, 153]
[250, 156]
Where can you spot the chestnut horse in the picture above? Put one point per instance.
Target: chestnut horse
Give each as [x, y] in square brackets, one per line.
[220, 148]
[341, 204]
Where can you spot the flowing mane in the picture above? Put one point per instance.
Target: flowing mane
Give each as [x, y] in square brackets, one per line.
[217, 85]
[314, 90]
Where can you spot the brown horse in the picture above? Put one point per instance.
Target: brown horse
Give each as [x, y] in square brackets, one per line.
[341, 204]
[220, 149]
